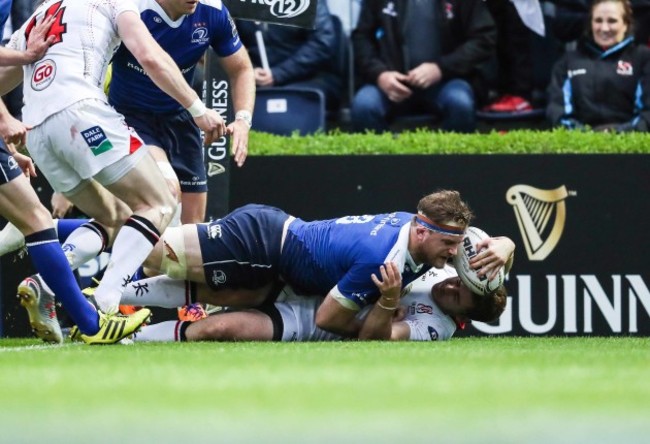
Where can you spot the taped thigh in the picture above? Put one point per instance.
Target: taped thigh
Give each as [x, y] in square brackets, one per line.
[174, 260]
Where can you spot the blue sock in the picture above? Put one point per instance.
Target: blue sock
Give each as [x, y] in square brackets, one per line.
[67, 226]
[50, 262]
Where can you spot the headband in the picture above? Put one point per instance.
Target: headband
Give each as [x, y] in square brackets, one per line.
[439, 228]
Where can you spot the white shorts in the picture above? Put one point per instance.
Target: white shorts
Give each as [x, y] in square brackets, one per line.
[298, 315]
[88, 139]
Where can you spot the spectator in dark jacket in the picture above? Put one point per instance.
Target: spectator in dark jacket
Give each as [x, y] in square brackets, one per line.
[605, 82]
[296, 56]
[417, 56]
[570, 16]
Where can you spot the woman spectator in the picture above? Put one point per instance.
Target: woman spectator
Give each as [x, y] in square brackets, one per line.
[604, 84]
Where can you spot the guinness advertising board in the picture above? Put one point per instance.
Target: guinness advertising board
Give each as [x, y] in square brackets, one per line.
[578, 223]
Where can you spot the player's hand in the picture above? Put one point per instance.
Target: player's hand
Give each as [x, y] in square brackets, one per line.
[390, 285]
[38, 41]
[212, 124]
[61, 206]
[494, 253]
[13, 131]
[26, 164]
[238, 131]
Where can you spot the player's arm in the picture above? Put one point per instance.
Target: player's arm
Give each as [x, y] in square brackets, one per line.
[37, 44]
[333, 316]
[12, 130]
[10, 77]
[239, 69]
[166, 75]
[378, 322]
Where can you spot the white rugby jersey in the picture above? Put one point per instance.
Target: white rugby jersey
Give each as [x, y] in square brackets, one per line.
[426, 321]
[74, 67]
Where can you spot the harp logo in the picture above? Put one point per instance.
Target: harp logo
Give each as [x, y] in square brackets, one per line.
[541, 215]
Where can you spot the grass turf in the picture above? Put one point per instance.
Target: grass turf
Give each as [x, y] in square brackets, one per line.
[468, 390]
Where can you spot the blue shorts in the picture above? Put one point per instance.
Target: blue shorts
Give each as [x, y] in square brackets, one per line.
[179, 137]
[9, 168]
[242, 250]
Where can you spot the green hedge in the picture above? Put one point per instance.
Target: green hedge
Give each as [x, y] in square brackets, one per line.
[427, 142]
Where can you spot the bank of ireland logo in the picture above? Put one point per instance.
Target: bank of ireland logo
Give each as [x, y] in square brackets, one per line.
[288, 8]
[541, 215]
[44, 73]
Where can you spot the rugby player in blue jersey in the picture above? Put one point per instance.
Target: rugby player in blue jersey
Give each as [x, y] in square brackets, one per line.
[185, 29]
[241, 255]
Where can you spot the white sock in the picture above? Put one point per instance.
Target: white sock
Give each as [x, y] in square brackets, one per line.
[83, 244]
[167, 331]
[157, 291]
[11, 239]
[133, 243]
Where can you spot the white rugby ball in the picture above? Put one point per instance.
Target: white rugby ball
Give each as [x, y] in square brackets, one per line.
[466, 251]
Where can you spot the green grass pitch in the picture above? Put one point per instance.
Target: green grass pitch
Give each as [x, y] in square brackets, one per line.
[468, 390]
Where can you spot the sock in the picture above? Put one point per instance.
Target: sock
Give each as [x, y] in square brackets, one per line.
[65, 227]
[159, 291]
[133, 243]
[167, 331]
[84, 243]
[50, 262]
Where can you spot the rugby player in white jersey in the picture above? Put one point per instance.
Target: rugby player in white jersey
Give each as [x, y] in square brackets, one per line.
[431, 308]
[82, 145]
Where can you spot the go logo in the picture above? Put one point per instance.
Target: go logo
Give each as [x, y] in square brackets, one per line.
[44, 73]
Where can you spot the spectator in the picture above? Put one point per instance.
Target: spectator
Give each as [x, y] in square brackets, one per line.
[571, 15]
[514, 59]
[604, 83]
[421, 57]
[296, 57]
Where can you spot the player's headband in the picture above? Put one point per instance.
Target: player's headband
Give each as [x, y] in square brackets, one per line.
[439, 228]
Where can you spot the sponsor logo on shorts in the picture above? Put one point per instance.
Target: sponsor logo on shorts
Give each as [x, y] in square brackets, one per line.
[12, 163]
[96, 140]
[433, 333]
[219, 277]
[214, 231]
[43, 75]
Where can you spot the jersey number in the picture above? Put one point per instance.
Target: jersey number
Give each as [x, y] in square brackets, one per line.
[57, 29]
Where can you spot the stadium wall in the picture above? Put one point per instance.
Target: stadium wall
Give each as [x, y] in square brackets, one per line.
[578, 222]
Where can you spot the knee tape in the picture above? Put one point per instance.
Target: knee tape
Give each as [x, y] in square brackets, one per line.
[174, 262]
[167, 171]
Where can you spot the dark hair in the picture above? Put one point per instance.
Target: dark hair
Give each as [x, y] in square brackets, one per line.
[445, 206]
[488, 308]
[628, 16]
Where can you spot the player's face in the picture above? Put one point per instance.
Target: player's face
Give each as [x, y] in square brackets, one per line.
[438, 248]
[452, 296]
[181, 7]
[607, 24]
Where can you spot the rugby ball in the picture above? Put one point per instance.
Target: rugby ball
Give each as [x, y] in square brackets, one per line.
[466, 251]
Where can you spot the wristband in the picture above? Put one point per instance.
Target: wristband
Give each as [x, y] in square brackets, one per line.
[245, 116]
[197, 108]
[386, 308]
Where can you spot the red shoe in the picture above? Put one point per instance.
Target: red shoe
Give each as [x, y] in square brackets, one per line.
[129, 309]
[193, 312]
[509, 104]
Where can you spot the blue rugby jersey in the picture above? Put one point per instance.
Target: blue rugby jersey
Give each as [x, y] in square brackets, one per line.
[321, 255]
[185, 39]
